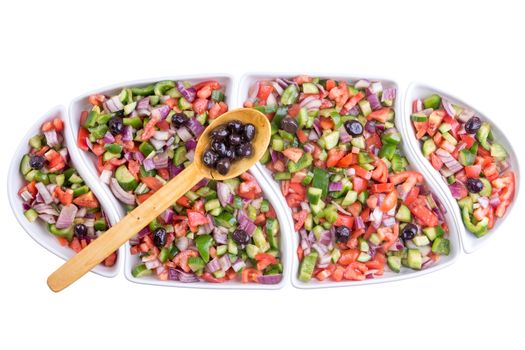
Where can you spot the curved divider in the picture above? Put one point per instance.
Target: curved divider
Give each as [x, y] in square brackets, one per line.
[37, 230]
[415, 90]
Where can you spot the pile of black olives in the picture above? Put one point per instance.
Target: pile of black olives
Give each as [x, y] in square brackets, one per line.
[229, 142]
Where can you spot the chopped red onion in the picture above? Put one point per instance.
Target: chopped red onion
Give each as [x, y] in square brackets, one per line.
[253, 91]
[190, 155]
[50, 219]
[45, 209]
[308, 147]
[195, 127]
[451, 163]
[161, 135]
[174, 169]
[26, 196]
[148, 164]
[389, 94]
[184, 134]
[160, 112]
[448, 107]
[138, 156]
[370, 126]
[44, 193]
[66, 217]
[362, 84]
[161, 160]
[181, 276]
[238, 265]
[191, 144]
[465, 115]
[358, 223]
[225, 262]
[278, 89]
[51, 138]
[224, 193]
[214, 265]
[220, 235]
[158, 144]
[187, 93]
[335, 186]
[167, 215]
[374, 102]
[123, 196]
[269, 279]
[182, 243]
[344, 137]
[127, 133]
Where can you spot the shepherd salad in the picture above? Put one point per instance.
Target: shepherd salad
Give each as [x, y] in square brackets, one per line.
[355, 204]
[463, 149]
[218, 231]
[56, 194]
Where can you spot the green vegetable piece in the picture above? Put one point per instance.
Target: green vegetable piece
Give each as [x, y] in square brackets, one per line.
[203, 244]
[414, 259]
[196, 263]
[403, 214]
[125, 179]
[441, 246]
[143, 91]
[498, 152]
[289, 95]
[479, 229]
[429, 147]
[25, 168]
[320, 180]
[483, 134]
[140, 271]
[66, 233]
[432, 101]
[31, 215]
[487, 187]
[307, 267]
[466, 157]
[146, 148]
[394, 263]
[161, 87]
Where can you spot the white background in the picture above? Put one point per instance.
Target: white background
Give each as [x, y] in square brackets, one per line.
[52, 52]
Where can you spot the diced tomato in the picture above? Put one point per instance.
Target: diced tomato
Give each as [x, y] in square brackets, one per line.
[346, 161]
[421, 129]
[412, 195]
[362, 172]
[330, 84]
[293, 153]
[264, 91]
[352, 101]
[110, 260]
[348, 256]
[96, 100]
[213, 84]
[339, 94]
[58, 124]
[65, 197]
[196, 218]
[301, 79]
[473, 171]
[389, 202]
[468, 140]
[338, 273]
[87, 200]
[355, 271]
[398, 178]
[75, 245]
[301, 136]
[381, 115]
[344, 220]
[359, 184]
[83, 134]
[299, 218]
[382, 188]
[436, 162]
[249, 189]
[425, 215]
[326, 123]
[149, 129]
[249, 275]
[380, 173]
[153, 183]
[141, 198]
[434, 121]
[200, 105]
[491, 172]
[334, 156]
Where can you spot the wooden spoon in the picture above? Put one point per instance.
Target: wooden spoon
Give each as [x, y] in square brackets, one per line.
[161, 200]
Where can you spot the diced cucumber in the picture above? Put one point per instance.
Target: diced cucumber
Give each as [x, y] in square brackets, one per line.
[307, 267]
[310, 88]
[414, 259]
[196, 263]
[466, 158]
[498, 152]
[441, 246]
[140, 270]
[394, 263]
[419, 117]
[31, 215]
[125, 179]
[24, 164]
[428, 147]
[314, 195]
[403, 214]
[252, 250]
[487, 187]
[350, 198]
[420, 240]
[432, 101]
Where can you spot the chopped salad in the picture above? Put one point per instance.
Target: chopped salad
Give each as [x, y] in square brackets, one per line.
[355, 204]
[56, 194]
[218, 231]
[463, 149]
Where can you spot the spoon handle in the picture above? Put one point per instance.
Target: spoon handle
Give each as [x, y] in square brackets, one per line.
[116, 236]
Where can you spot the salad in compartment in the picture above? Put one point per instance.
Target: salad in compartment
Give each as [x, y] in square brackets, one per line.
[356, 205]
[56, 194]
[461, 146]
[219, 231]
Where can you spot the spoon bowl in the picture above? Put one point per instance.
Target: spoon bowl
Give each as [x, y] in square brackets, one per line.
[162, 199]
[260, 142]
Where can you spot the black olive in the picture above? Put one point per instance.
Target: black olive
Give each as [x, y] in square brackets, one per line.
[244, 150]
[209, 158]
[354, 128]
[289, 125]
[248, 132]
[179, 120]
[220, 132]
[235, 126]
[234, 139]
[409, 232]
[474, 185]
[219, 147]
[80, 230]
[230, 153]
[36, 162]
[472, 125]
[115, 125]
[159, 237]
[342, 234]
[240, 236]
[223, 166]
